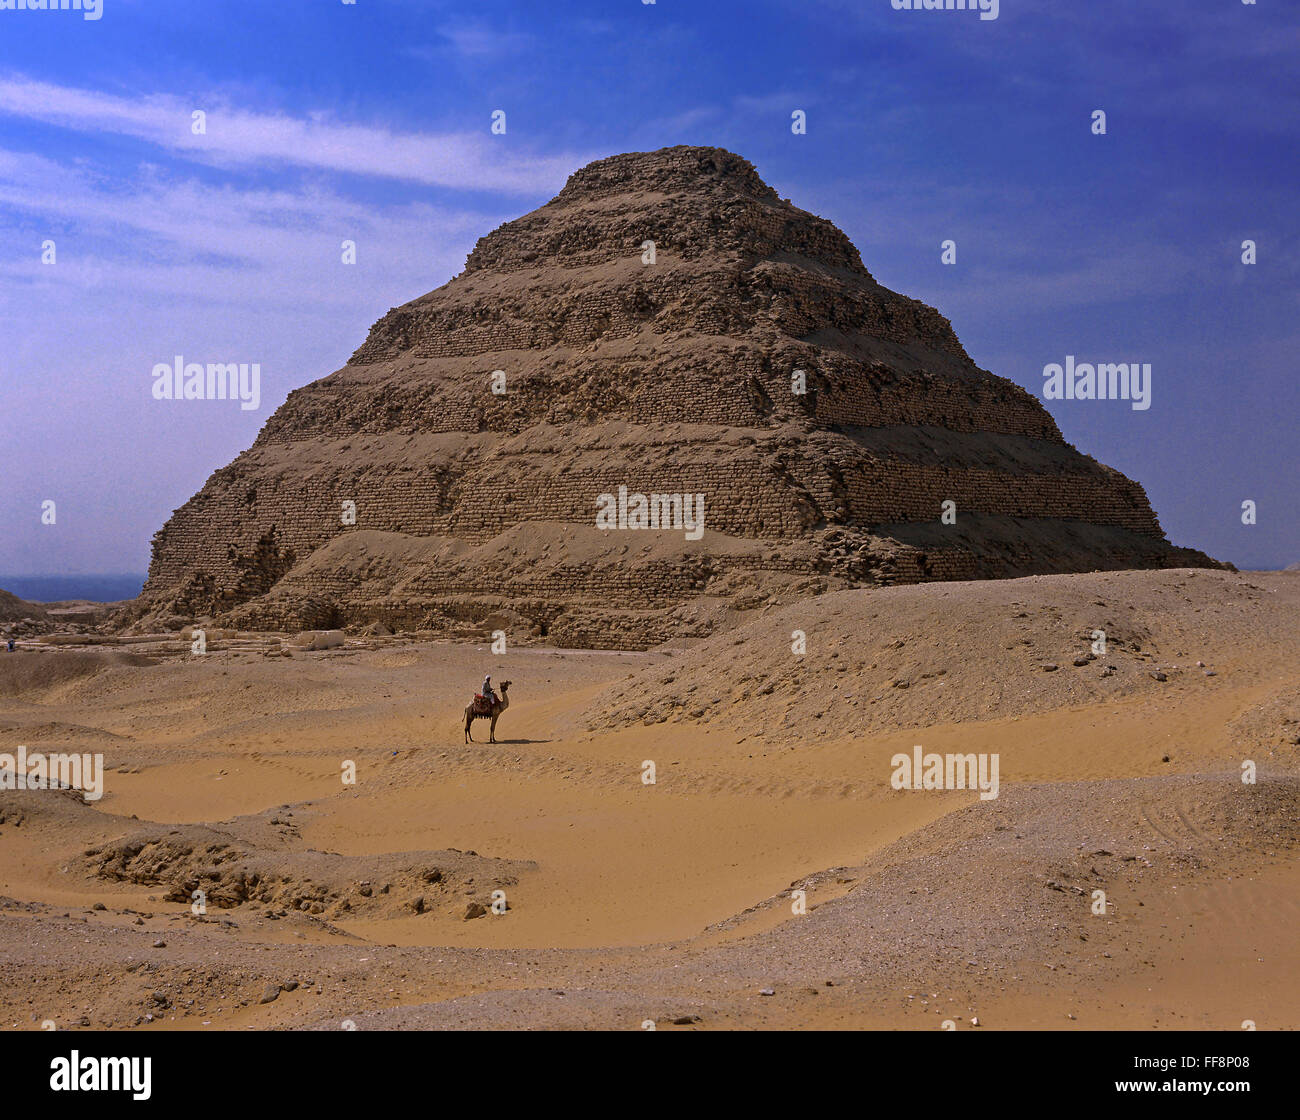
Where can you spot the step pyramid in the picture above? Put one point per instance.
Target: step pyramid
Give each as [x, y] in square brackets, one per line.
[746, 359]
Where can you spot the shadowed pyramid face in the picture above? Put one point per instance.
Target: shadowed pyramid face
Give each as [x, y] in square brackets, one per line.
[666, 329]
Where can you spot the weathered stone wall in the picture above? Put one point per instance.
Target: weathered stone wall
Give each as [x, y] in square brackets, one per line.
[665, 378]
[747, 494]
[670, 296]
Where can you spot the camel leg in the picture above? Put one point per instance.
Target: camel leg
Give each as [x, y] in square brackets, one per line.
[492, 731]
[468, 722]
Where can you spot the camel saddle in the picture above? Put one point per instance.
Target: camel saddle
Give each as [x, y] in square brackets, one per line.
[482, 705]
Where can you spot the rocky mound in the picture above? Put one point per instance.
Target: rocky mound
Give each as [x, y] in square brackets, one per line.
[40, 674]
[16, 610]
[454, 468]
[258, 862]
[923, 655]
[232, 872]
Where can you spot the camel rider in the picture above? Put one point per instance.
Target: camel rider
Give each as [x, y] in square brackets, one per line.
[487, 693]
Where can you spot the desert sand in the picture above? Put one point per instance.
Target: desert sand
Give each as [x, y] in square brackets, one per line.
[331, 905]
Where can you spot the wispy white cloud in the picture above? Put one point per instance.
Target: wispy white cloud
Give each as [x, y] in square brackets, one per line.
[170, 238]
[157, 260]
[484, 41]
[239, 137]
[780, 101]
[1233, 56]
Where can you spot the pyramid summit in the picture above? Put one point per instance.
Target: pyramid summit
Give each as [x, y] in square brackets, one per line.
[669, 333]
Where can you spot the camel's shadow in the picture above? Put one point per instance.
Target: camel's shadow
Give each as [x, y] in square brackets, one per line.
[509, 742]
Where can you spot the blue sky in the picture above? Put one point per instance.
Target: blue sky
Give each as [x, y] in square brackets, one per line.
[370, 121]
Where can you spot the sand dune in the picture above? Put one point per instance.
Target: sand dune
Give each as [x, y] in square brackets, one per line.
[912, 656]
[672, 902]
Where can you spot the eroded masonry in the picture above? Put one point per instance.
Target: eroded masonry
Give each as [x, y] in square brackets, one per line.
[476, 510]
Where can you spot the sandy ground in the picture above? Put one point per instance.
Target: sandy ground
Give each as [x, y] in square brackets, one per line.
[333, 904]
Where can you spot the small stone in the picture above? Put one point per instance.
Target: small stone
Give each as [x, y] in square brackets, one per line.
[1050, 668]
[289, 985]
[974, 1021]
[474, 910]
[160, 944]
[271, 994]
[99, 906]
[1158, 676]
[766, 992]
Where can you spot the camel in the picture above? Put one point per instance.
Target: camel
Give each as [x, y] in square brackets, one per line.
[494, 713]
